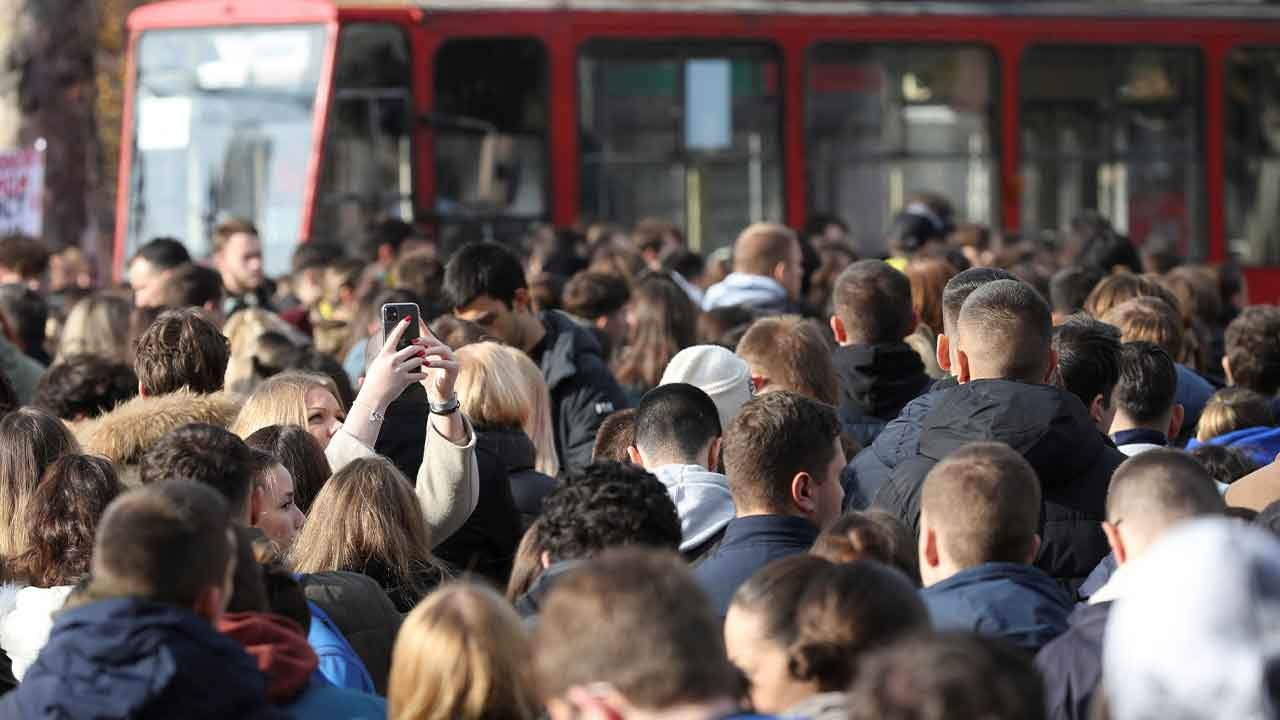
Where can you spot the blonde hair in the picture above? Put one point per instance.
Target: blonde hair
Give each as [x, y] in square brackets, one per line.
[98, 325]
[462, 654]
[499, 386]
[281, 400]
[368, 516]
[1231, 409]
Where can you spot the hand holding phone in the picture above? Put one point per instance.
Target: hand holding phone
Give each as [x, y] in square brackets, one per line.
[395, 313]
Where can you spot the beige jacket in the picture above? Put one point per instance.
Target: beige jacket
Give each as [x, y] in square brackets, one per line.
[448, 482]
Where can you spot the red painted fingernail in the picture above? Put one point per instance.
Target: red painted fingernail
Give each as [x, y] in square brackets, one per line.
[405, 320]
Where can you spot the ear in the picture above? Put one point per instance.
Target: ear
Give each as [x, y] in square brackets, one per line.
[602, 322]
[142, 391]
[962, 373]
[929, 555]
[780, 273]
[1035, 548]
[1098, 409]
[838, 329]
[713, 454]
[209, 604]
[1226, 370]
[633, 454]
[804, 493]
[1053, 365]
[1175, 421]
[944, 353]
[1116, 542]
[544, 559]
[759, 382]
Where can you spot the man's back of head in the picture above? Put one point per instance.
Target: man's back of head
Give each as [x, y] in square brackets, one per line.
[181, 349]
[1005, 332]
[1148, 319]
[1069, 287]
[961, 286]
[762, 247]
[655, 645]
[981, 504]
[606, 505]
[1151, 493]
[163, 253]
[872, 304]
[788, 352]
[1146, 392]
[195, 286]
[1088, 364]
[206, 454]
[1253, 349]
[677, 424]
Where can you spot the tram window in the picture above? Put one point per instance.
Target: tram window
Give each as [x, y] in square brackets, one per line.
[490, 127]
[688, 132]
[367, 172]
[1119, 134]
[886, 121]
[1252, 151]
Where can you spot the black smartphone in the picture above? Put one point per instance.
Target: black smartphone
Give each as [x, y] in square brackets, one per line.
[395, 313]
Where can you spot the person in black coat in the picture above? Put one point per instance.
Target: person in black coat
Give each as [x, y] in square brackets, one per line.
[878, 372]
[1003, 352]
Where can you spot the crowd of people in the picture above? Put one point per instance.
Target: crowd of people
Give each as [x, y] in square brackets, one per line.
[606, 476]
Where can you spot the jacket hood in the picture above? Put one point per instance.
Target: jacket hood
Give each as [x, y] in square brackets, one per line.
[1017, 602]
[510, 444]
[278, 646]
[823, 706]
[566, 343]
[1047, 425]
[530, 604]
[744, 289]
[1262, 444]
[123, 434]
[879, 379]
[129, 658]
[702, 499]
[26, 624]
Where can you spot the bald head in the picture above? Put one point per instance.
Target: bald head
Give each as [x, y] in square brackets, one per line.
[1156, 490]
[1005, 331]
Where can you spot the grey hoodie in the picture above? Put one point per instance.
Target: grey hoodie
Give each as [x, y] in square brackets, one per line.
[702, 500]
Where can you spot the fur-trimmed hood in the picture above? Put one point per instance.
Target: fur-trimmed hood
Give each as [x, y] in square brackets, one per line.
[124, 434]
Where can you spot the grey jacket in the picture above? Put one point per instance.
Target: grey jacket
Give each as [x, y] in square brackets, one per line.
[702, 500]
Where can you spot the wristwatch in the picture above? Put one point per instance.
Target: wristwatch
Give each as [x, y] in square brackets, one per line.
[448, 407]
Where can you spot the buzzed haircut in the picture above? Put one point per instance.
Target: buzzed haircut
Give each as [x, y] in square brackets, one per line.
[1253, 349]
[1148, 384]
[234, 226]
[873, 301]
[1088, 358]
[1007, 328]
[792, 353]
[605, 505]
[961, 286]
[984, 502]
[1158, 488]
[761, 247]
[1070, 286]
[482, 269]
[1151, 319]
[616, 433]
[166, 542]
[204, 453]
[181, 349]
[163, 253]
[775, 437]
[676, 421]
[192, 285]
[654, 637]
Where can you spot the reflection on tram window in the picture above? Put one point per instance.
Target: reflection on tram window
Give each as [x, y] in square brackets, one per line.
[1252, 143]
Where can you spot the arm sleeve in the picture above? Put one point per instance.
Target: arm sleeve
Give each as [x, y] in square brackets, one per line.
[448, 482]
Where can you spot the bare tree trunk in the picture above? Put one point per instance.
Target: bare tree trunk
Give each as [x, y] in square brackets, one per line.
[47, 90]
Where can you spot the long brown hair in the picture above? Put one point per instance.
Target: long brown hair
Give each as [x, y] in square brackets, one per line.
[63, 516]
[929, 276]
[663, 322]
[367, 515]
[30, 440]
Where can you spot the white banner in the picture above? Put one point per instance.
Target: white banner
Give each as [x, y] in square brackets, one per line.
[22, 192]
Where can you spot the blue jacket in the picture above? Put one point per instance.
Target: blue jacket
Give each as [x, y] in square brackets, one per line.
[1071, 664]
[1262, 444]
[129, 658]
[1019, 603]
[749, 544]
[898, 440]
[326, 701]
[339, 663]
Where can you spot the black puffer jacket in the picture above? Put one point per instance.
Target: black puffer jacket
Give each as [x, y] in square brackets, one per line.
[1053, 431]
[486, 542]
[583, 390]
[876, 382]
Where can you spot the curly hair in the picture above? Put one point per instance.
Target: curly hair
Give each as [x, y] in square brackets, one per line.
[85, 386]
[1253, 349]
[604, 505]
[64, 515]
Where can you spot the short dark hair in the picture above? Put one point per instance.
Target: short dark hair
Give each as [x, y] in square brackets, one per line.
[961, 286]
[420, 273]
[235, 226]
[182, 349]
[84, 386]
[391, 232]
[166, 542]
[26, 312]
[684, 261]
[1157, 488]
[984, 501]
[774, 437]
[315, 254]
[164, 253]
[607, 504]
[1253, 349]
[1224, 464]
[676, 420]
[1008, 325]
[1069, 287]
[1088, 358]
[192, 285]
[482, 269]
[817, 223]
[793, 353]
[25, 255]
[591, 294]
[207, 454]
[62, 519]
[616, 433]
[873, 301]
[957, 676]
[301, 455]
[1148, 384]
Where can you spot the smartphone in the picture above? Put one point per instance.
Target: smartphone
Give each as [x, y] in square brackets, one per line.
[393, 314]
